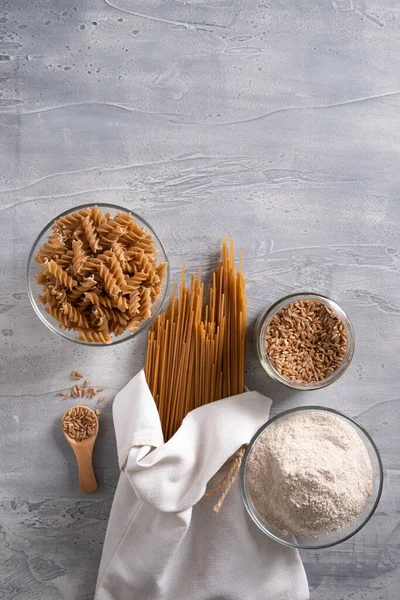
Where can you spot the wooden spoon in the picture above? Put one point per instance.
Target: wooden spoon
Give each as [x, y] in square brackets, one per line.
[83, 451]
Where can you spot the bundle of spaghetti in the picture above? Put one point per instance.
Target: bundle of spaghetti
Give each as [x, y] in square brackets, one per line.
[196, 354]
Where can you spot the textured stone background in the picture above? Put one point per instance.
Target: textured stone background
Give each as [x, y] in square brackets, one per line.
[274, 122]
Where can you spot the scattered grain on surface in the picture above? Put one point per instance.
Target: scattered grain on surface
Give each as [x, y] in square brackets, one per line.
[85, 390]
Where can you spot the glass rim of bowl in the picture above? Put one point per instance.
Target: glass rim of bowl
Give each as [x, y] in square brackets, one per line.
[34, 250]
[243, 486]
[266, 317]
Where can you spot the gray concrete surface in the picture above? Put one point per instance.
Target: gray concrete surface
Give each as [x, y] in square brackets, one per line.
[274, 122]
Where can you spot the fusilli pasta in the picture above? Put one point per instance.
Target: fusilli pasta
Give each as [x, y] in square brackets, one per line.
[63, 277]
[145, 303]
[72, 220]
[91, 234]
[119, 252]
[65, 259]
[89, 335]
[55, 311]
[98, 217]
[134, 303]
[116, 270]
[138, 279]
[79, 256]
[115, 316]
[82, 287]
[99, 274]
[105, 301]
[110, 285]
[92, 298]
[120, 302]
[109, 233]
[133, 325]
[74, 315]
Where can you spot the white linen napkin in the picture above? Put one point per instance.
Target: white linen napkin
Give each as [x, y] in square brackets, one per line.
[164, 541]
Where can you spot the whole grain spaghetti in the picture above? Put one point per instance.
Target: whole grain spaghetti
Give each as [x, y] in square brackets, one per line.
[196, 354]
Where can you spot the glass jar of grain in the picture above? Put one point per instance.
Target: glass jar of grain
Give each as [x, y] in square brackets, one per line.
[305, 341]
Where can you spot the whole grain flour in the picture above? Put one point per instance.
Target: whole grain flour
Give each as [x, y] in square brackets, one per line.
[309, 473]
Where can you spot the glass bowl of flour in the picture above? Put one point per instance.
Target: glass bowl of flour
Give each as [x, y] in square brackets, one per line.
[311, 477]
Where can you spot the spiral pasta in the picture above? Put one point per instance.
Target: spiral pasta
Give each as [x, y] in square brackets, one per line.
[138, 279]
[46, 297]
[110, 284]
[133, 324]
[99, 274]
[118, 329]
[55, 311]
[116, 270]
[90, 266]
[79, 256]
[143, 261]
[41, 278]
[119, 252]
[128, 287]
[89, 335]
[161, 271]
[145, 303]
[72, 220]
[82, 287]
[97, 216]
[120, 302]
[109, 233]
[155, 291]
[55, 246]
[91, 234]
[64, 278]
[129, 224]
[92, 298]
[101, 324]
[105, 301]
[115, 316]
[59, 293]
[74, 315]
[134, 303]
[65, 259]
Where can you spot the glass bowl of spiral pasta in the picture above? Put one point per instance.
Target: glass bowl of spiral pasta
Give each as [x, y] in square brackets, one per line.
[97, 274]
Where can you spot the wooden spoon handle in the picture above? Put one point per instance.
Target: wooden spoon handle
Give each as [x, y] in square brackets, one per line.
[87, 479]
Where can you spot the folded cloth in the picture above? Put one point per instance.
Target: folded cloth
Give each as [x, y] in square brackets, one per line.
[164, 541]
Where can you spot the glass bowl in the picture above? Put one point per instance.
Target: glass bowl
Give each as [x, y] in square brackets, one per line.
[328, 539]
[265, 319]
[35, 289]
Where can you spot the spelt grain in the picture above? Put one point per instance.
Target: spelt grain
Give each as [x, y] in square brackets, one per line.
[306, 341]
[79, 423]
